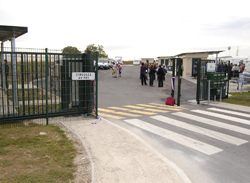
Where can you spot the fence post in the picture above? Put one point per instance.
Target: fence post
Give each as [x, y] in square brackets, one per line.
[179, 63]
[198, 81]
[96, 77]
[46, 82]
[208, 98]
[173, 75]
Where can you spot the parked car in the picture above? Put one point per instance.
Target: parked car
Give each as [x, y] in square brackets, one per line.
[106, 65]
[100, 65]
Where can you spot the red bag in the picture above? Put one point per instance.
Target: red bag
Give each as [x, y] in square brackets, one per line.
[170, 101]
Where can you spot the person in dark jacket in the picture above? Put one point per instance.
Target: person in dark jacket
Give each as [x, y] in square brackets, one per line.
[143, 72]
[161, 75]
[152, 75]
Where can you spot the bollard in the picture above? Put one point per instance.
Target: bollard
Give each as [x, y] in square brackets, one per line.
[208, 100]
[220, 94]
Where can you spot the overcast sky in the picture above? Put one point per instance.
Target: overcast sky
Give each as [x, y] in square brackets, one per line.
[132, 28]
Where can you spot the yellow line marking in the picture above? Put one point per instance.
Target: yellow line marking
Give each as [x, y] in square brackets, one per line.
[143, 108]
[134, 111]
[116, 112]
[109, 116]
[119, 108]
[165, 107]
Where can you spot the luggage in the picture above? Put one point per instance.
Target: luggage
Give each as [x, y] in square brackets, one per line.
[170, 101]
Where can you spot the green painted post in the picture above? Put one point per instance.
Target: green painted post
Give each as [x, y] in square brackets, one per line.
[96, 78]
[46, 81]
[173, 75]
[229, 77]
[179, 60]
[198, 81]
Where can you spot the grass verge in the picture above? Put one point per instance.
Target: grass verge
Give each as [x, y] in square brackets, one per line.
[238, 98]
[27, 155]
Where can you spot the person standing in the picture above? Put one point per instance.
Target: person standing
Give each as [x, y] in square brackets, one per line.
[120, 69]
[242, 68]
[151, 75]
[146, 71]
[143, 71]
[114, 70]
[161, 75]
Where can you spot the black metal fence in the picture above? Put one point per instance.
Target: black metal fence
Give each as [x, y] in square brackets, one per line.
[39, 85]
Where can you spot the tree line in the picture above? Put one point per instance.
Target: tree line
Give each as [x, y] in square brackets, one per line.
[90, 47]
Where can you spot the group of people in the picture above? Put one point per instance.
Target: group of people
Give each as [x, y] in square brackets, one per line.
[234, 68]
[153, 71]
[116, 68]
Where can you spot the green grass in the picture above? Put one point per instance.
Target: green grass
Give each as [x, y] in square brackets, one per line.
[29, 94]
[238, 98]
[26, 156]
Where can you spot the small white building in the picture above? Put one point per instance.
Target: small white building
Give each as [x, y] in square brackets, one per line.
[136, 62]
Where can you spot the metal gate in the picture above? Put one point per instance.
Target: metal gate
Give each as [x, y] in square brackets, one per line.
[203, 91]
[39, 85]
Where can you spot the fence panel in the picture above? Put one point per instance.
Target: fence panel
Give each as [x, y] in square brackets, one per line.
[24, 94]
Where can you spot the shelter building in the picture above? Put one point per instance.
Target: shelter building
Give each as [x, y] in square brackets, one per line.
[10, 33]
[148, 60]
[189, 59]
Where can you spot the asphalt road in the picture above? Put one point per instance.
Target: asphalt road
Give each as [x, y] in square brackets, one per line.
[208, 144]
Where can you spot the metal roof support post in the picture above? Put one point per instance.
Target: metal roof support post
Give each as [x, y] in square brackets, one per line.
[2, 74]
[14, 70]
[216, 59]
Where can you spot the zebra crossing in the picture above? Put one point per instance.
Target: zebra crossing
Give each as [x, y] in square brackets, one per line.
[190, 122]
[137, 110]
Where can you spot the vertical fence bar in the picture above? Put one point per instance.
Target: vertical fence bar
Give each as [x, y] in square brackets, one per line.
[23, 79]
[46, 81]
[37, 86]
[51, 81]
[42, 79]
[28, 83]
[32, 79]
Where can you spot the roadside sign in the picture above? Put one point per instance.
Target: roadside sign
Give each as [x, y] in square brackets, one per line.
[83, 76]
[241, 78]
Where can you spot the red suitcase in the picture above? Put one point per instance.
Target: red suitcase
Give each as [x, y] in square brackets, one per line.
[170, 101]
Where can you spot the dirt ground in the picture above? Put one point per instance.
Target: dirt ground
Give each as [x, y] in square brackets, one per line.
[117, 155]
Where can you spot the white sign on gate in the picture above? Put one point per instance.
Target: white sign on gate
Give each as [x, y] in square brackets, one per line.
[210, 67]
[83, 76]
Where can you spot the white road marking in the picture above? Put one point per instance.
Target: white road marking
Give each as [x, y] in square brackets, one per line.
[234, 119]
[200, 130]
[181, 139]
[213, 123]
[230, 112]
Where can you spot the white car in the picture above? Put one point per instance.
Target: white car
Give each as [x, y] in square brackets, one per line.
[100, 65]
[106, 65]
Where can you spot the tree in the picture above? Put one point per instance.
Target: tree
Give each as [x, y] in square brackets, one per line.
[99, 48]
[71, 50]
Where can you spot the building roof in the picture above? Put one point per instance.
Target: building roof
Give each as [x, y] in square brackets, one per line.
[164, 56]
[6, 32]
[200, 52]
